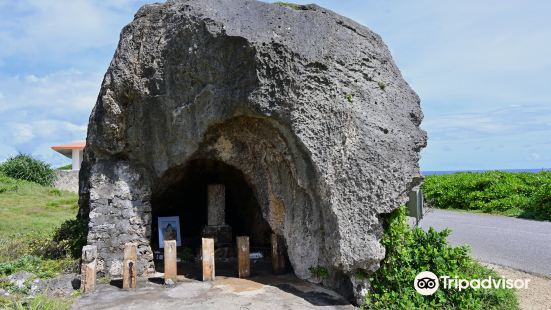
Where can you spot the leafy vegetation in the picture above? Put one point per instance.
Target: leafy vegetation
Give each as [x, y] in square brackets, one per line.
[381, 85]
[319, 272]
[42, 268]
[520, 194]
[37, 220]
[30, 213]
[66, 167]
[293, 6]
[349, 98]
[38, 234]
[8, 184]
[410, 251]
[71, 235]
[39, 302]
[24, 167]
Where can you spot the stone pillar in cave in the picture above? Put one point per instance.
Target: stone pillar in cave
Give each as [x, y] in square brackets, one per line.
[216, 226]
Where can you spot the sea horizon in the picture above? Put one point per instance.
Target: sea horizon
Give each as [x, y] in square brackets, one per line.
[433, 172]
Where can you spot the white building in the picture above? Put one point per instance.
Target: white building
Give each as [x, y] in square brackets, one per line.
[72, 150]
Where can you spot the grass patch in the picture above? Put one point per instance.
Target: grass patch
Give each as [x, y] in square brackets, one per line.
[39, 233]
[349, 98]
[66, 167]
[410, 251]
[38, 302]
[42, 268]
[29, 210]
[294, 6]
[518, 194]
[381, 85]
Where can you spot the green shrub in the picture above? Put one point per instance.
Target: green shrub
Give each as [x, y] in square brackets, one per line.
[17, 245]
[66, 167]
[349, 98]
[296, 7]
[319, 272]
[539, 205]
[520, 194]
[48, 248]
[410, 251]
[64, 242]
[25, 167]
[72, 233]
[7, 184]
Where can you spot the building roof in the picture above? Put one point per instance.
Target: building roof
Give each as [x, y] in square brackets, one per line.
[67, 149]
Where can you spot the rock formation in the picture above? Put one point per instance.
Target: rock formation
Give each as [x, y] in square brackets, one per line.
[308, 105]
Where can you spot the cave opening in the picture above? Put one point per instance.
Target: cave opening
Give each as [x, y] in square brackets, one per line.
[184, 192]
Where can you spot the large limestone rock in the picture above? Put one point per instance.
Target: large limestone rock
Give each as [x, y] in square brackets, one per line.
[307, 104]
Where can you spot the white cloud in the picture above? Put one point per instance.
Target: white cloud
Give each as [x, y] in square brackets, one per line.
[479, 123]
[62, 27]
[52, 58]
[22, 133]
[535, 156]
[36, 137]
[494, 52]
[39, 111]
[31, 78]
[53, 94]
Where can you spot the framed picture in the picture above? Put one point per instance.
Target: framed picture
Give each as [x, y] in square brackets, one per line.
[169, 229]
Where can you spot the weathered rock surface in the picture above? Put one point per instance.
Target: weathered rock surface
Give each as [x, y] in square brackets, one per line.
[309, 105]
[62, 285]
[19, 279]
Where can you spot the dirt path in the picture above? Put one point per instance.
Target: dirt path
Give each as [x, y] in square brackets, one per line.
[538, 294]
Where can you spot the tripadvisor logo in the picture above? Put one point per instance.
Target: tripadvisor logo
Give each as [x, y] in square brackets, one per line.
[426, 283]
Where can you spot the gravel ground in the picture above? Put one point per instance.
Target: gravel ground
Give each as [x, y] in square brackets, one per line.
[538, 294]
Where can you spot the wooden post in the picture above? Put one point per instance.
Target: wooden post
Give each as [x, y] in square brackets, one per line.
[278, 254]
[208, 259]
[243, 257]
[171, 270]
[88, 268]
[129, 266]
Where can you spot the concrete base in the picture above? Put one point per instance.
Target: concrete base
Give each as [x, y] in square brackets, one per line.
[225, 293]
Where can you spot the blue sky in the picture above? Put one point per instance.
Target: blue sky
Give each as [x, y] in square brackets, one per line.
[481, 68]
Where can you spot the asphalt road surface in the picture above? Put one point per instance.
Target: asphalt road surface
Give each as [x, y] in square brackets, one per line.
[517, 243]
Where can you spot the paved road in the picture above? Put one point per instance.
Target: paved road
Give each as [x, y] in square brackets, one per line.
[520, 244]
